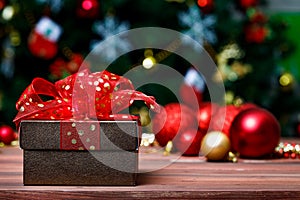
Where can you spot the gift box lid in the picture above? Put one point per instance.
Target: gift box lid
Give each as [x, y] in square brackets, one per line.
[79, 135]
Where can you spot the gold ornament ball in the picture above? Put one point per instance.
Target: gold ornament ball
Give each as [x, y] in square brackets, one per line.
[215, 145]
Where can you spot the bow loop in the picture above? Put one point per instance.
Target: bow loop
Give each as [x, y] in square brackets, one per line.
[98, 95]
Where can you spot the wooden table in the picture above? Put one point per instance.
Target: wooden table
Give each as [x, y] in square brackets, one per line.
[178, 178]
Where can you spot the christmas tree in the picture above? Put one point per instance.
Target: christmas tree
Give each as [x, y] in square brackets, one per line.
[50, 39]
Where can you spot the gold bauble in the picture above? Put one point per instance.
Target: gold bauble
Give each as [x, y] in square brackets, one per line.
[215, 145]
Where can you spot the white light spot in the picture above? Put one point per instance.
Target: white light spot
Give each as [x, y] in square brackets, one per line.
[149, 62]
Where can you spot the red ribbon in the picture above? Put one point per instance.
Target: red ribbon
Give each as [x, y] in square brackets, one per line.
[99, 95]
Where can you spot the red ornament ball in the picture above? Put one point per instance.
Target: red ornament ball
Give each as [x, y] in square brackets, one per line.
[254, 133]
[7, 134]
[248, 3]
[206, 111]
[206, 6]
[88, 8]
[2, 4]
[222, 120]
[255, 33]
[74, 64]
[258, 17]
[172, 119]
[190, 96]
[57, 68]
[188, 142]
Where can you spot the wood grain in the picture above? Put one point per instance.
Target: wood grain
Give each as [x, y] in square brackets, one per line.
[168, 177]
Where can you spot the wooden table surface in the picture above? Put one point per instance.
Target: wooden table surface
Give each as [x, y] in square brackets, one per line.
[171, 177]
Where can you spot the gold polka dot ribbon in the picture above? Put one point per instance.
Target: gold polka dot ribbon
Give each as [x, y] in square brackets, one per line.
[84, 135]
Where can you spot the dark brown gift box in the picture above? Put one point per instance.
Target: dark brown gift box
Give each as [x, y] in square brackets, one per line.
[79, 152]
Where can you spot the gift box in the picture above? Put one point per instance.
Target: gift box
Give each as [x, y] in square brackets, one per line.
[78, 136]
[79, 152]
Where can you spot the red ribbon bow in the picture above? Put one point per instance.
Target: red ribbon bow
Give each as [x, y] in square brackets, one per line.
[97, 95]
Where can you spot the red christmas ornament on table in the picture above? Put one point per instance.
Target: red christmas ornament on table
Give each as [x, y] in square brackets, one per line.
[206, 112]
[188, 142]
[171, 120]
[225, 115]
[88, 8]
[254, 133]
[191, 91]
[42, 41]
[7, 134]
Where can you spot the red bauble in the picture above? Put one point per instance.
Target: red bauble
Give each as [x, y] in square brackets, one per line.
[174, 118]
[224, 117]
[60, 67]
[57, 68]
[191, 90]
[88, 8]
[75, 63]
[222, 120]
[190, 96]
[206, 111]
[188, 142]
[248, 3]
[206, 6]
[258, 17]
[7, 134]
[255, 33]
[2, 4]
[254, 132]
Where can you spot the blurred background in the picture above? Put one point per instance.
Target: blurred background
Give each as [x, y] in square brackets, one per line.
[254, 43]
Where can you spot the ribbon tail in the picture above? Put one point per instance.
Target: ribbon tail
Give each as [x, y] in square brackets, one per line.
[123, 99]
